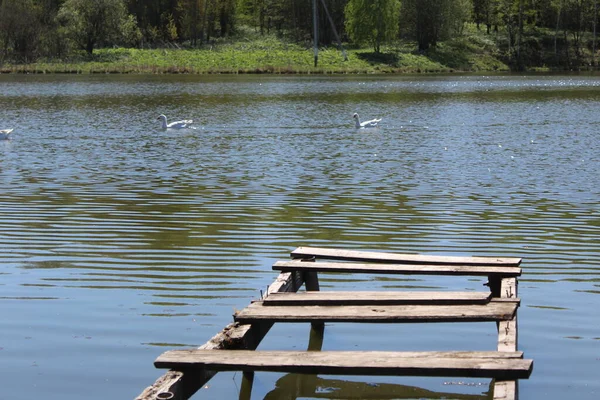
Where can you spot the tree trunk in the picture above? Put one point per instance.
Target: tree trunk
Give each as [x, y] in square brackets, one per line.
[567, 49]
[519, 60]
[556, 35]
[89, 46]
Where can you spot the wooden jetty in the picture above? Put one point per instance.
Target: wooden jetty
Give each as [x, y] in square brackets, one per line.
[234, 348]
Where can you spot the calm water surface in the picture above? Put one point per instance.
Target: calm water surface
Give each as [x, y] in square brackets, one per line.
[119, 241]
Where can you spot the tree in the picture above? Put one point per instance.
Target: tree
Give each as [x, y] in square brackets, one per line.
[92, 22]
[372, 21]
[430, 21]
[486, 12]
[19, 29]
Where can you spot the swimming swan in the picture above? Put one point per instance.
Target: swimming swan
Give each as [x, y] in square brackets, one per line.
[367, 124]
[174, 125]
[4, 134]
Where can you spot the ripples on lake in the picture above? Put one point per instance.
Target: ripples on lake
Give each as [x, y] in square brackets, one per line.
[120, 241]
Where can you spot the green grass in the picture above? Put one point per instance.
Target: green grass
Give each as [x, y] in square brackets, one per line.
[253, 53]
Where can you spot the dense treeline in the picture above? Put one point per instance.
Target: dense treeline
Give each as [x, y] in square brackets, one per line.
[559, 33]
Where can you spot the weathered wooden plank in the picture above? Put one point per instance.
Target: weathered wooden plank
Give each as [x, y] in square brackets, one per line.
[477, 364]
[375, 298]
[353, 255]
[178, 385]
[405, 269]
[258, 312]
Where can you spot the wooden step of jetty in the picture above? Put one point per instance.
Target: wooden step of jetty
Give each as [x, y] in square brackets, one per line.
[499, 365]
[375, 298]
[493, 311]
[404, 269]
[372, 256]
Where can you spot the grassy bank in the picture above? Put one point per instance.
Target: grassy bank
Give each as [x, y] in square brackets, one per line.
[253, 53]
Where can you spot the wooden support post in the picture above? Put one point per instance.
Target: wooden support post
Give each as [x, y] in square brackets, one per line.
[507, 330]
[507, 339]
[311, 280]
[312, 284]
[495, 282]
[247, 382]
[506, 390]
[315, 343]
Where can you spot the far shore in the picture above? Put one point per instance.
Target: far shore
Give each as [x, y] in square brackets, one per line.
[264, 57]
[472, 53]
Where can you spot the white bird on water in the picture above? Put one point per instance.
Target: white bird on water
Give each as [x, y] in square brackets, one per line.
[183, 124]
[5, 134]
[367, 124]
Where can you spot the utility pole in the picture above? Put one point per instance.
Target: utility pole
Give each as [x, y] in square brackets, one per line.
[315, 32]
[594, 38]
[334, 31]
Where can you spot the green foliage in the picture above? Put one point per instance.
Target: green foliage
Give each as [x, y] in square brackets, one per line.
[170, 28]
[525, 34]
[91, 22]
[130, 32]
[372, 21]
[17, 35]
[251, 52]
[429, 21]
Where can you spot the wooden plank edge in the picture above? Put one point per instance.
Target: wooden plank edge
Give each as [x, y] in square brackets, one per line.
[258, 312]
[379, 298]
[499, 271]
[189, 356]
[354, 255]
[515, 300]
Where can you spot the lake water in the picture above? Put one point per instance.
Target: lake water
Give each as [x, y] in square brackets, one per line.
[119, 241]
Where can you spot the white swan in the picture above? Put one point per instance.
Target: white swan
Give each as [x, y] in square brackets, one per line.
[367, 124]
[174, 125]
[5, 134]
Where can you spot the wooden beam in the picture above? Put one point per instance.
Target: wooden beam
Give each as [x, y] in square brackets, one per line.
[353, 255]
[258, 312]
[404, 269]
[179, 385]
[375, 298]
[454, 364]
[507, 330]
[506, 390]
[507, 339]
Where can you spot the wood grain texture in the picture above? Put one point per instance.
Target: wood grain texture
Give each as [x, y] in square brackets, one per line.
[375, 298]
[354, 255]
[403, 269]
[464, 364]
[258, 312]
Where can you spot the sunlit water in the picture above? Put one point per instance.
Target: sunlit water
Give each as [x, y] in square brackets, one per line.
[119, 241]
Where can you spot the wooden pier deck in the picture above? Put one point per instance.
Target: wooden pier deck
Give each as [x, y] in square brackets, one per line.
[234, 348]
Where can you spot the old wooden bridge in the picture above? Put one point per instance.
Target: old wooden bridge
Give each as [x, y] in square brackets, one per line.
[233, 349]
